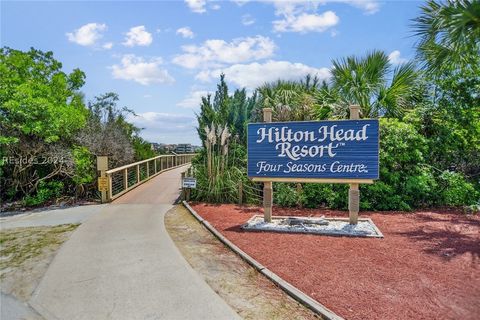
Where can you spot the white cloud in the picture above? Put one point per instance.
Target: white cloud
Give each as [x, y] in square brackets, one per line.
[240, 2]
[173, 119]
[139, 70]
[193, 100]
[107, 45]
[255, 74]
[165, 127]
[395, 58]
[215, 6]
[217, 52]
[368, 6]
[302, 16]
[306, 22]
[138, 36]
[247, 20]
[288, 6]
[87, 35]
[186, 32]
[197, 6]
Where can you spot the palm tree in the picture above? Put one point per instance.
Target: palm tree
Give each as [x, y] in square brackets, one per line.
[290, 100]
[371, 82]
[449, 35]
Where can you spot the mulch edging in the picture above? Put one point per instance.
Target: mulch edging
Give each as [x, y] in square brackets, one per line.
[284, 285]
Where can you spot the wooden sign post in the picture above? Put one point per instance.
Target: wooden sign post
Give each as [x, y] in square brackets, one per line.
[354, 192]
[102, 166]
[267, 185]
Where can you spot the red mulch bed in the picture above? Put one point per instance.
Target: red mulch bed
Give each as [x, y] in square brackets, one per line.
[426, 267]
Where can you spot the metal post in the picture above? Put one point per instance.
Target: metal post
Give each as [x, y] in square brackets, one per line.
[354, 192]
[110, 187]
[183, 189]
[267, 186]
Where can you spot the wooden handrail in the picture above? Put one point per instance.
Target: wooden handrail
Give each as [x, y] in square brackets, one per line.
[118, 185]
[147, 160]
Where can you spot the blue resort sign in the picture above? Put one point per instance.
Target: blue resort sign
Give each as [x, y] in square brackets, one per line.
[313, 150]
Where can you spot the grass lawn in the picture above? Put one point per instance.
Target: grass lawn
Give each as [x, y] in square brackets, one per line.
[25, 254]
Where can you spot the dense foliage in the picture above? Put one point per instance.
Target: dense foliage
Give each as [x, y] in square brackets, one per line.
[48, 136]
[429, 111]
[221, 166]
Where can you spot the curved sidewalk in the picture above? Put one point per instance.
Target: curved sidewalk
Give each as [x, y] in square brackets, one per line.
[122, 264]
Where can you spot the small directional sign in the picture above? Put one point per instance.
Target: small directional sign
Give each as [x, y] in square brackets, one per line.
[189, 182]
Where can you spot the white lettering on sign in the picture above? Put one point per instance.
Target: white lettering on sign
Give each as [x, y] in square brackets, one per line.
[297, 152]
[284, 136]
[189, 183]
[290, 167]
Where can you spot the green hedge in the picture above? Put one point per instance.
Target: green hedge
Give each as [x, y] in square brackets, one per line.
[406, 181]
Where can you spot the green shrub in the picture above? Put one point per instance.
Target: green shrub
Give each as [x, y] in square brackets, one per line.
[381, 196]
[46, 191]
[285, 194]
[84, 166]
[456, 191]
[325, 195]
[405, 180]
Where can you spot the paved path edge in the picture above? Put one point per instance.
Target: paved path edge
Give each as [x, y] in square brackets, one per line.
[284, 285]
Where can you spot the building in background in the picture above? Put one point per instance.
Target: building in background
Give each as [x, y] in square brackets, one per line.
[162, 148]
[184, 148]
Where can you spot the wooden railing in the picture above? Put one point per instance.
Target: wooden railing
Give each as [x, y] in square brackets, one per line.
[125, 178]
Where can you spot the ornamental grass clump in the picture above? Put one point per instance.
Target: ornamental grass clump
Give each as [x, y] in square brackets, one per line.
[217, 170]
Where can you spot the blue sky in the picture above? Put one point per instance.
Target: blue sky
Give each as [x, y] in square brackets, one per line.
[162, 56]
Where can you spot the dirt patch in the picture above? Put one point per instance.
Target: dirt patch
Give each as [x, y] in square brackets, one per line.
[25, 254]
[248, 292]
[426, 267]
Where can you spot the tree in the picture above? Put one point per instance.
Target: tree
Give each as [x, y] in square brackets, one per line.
[449, 35]
[37, 98]
[449, 51]
[41, 109]
[232, 111]
[371, 82]
[107, 133]
[222, 128]
[289, 100]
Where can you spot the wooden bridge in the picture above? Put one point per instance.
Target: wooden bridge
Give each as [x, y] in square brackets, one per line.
[114, 183]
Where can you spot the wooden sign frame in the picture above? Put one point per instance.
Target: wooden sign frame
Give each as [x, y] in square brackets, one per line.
[353, 193]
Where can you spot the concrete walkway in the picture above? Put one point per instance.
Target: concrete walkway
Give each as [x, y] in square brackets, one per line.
[122, 264]
[13, 309]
